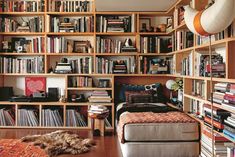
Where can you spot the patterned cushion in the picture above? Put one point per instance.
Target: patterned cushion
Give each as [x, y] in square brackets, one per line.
[144, 96]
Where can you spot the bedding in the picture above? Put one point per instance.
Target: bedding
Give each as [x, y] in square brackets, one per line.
[151, 118]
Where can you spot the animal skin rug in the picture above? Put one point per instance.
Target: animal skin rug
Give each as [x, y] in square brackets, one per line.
[60, 142]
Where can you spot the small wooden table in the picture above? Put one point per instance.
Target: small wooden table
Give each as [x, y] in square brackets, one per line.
[98, 122]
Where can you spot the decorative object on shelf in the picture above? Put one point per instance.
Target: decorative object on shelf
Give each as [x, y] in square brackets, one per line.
[34, 84]
[169, 85]
[199, 23]
[104, 83]
[178, 86]
[63, 67]
[62, 95]
[145, 24]
[77, 98]
[6, 46]
[162, 27]
[128, 46]
[82, 47]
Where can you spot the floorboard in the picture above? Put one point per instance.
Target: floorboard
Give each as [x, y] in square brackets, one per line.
[105, 146]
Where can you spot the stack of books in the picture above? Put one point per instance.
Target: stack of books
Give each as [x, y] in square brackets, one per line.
[229, 98]
[119, 67]
[220, 89]
[28, 117]
[230, 149]
[98, 109]
[114, 24]
[219, 116]
[100, 97]
[229, 127]
[7, 117]
[75, 119]
[51, 117]
[206, 148]
[77, 24]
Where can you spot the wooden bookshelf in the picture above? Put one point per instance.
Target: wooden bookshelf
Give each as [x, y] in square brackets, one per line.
[50, 58]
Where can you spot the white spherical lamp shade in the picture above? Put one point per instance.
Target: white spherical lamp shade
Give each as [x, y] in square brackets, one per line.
[169, 84]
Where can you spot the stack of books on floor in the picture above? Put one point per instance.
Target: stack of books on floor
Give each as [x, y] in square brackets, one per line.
[100, 97]
[28, 117]
[98, 109]
[206, 147]
[219, 115]
[229, 127]
[51, 117]
[7, 117]
[75, 119]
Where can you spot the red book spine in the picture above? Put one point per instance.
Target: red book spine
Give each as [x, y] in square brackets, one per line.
[216, 124]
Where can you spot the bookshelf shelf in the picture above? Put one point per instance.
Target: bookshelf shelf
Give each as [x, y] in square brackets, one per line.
[153, 33]
[154, 54]
[22, 34]
[22, 13]
[117, 34]
[69, 54]
[21, 54]
[87, 88]
[71, 34]
[117, 54]
[195, 98]
[71, 13]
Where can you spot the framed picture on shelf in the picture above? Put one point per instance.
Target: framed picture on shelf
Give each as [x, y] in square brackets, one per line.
[81, 46]
[169, 22]
[34, 84]
[145, 24]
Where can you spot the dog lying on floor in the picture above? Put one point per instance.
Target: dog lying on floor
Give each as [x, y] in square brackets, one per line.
[60, 142]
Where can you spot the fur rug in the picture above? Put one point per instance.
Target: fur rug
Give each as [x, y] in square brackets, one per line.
[60, 142]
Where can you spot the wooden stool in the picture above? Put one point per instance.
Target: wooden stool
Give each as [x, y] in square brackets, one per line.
[97, 123]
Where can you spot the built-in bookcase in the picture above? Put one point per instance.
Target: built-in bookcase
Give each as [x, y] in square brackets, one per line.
[105, 46]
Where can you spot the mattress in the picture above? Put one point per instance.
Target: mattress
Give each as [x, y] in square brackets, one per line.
[161, 132]
[160, 149]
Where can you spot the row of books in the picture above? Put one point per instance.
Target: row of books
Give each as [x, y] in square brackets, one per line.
[33, 24]
[28, 117]
[184, 39]
[196, 108]
[228, 32]
[81, 65]
[76, 24]
[22, 6]
[154, 44]
[64, 45]
[198, 88]
[51, 117]
[114, 66]
[80, 81]
[229, 127]
[108, 45]
[178, 15]
[7, 117]
[202, 65]
[155, 65]
[70, 6]
[22, 65]
[187, 65]
[25, 45]
[231, 150]
[75, 119]
[100, 97]
[115, 23]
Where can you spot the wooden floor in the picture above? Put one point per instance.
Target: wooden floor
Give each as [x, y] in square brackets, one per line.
[107, 146]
